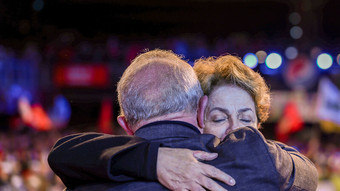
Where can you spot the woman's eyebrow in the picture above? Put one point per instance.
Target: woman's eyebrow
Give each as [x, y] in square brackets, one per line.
[244, 110]
[220, 109]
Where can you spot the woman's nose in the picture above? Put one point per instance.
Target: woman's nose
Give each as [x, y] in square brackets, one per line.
[235, 124]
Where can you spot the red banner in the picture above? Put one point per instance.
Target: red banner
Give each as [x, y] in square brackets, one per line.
[76, 75]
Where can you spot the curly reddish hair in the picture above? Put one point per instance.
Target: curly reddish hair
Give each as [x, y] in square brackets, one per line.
[229, 69]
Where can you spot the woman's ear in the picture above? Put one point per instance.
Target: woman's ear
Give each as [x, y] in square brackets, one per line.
[123, 123]
[202, 105]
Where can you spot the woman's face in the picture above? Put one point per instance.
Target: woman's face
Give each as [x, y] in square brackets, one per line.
[229, 108]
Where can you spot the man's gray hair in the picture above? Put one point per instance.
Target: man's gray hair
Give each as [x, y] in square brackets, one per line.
[157, 83]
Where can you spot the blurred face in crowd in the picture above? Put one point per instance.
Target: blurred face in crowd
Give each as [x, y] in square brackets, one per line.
[229, 108]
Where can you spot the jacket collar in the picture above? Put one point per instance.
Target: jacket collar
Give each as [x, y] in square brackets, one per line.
[167, 129]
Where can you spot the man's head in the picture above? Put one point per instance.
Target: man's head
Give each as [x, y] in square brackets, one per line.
[158, 83]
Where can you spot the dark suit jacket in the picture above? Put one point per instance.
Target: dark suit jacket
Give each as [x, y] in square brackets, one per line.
[93, 161]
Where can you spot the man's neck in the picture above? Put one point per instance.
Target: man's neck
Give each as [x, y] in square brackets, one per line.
[179, 116]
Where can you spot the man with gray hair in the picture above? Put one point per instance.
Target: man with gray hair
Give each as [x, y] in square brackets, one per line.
[162, 104]
[157, 83]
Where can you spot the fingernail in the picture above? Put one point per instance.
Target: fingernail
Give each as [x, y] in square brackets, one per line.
[232, 181]
[197, 154]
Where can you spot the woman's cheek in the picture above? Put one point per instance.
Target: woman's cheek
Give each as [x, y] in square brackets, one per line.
[209, 129]
[218, 131]
[254, 125]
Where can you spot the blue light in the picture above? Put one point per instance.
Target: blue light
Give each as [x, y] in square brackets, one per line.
[38, 5]
[267, 71]
[324, 61]
[250, 60]
[273, 61]
[291, 52]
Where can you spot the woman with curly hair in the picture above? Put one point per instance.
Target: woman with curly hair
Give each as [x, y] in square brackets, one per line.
[238, 96]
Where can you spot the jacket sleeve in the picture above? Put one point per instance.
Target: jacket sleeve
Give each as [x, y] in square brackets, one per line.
[296, 172]
[279, 164]
[91, 157]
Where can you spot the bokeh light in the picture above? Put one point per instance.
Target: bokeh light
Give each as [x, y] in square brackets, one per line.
[38, 5]
[268, 71]
[250, 60]
[261, 56]
[338, 59]
[294, 18]
[273, 61]
[324, 61]
[291, 52]
[296, 32]
[315, 52]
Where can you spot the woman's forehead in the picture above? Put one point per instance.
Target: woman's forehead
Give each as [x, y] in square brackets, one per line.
[230, 95]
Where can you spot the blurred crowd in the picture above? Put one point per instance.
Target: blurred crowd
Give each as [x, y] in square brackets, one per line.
[23, 159]
[324, 151]
[29, 67]
[70, 46]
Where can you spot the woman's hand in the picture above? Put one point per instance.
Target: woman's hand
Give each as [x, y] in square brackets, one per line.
[179, 169]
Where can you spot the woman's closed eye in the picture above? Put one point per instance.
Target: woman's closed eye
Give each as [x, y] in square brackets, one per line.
[219, 120]
[245, 120]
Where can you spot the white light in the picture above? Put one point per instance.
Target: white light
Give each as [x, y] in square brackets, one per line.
[250, 60]
[273, 61]
[291, 52]
[294, 18]
[296, 32]
[261, 56]
[324, 61]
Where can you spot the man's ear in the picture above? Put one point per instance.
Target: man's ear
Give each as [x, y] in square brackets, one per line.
[202, 105]
[123, 123]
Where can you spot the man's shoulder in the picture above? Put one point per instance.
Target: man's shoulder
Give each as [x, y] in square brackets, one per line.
[203, 142]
